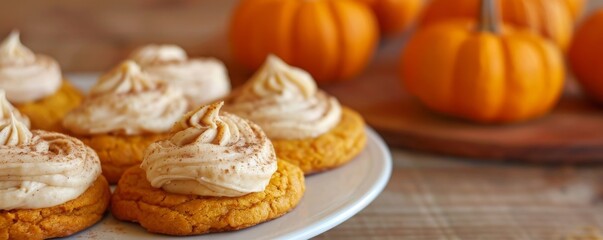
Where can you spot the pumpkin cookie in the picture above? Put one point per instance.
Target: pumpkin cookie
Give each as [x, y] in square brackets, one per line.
[118, 153]
[58, 221]
[308, 127]
[159, 211]
[316, 154]
[201, 80]
[124, 113]
[216, 172]
[47, 113]
[50, 184]
[33, 83]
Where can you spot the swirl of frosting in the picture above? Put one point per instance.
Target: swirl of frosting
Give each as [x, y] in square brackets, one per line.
[285, 102]
[201, 80]
[42, 169]
[26, 76]
[125, 101]
[7, 109]
[14, 133]
[211, 153]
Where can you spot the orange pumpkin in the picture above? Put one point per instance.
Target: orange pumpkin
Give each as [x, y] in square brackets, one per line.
[551, 18]
[395, 16]
[585, 56]
[331, 39]
[479, 72]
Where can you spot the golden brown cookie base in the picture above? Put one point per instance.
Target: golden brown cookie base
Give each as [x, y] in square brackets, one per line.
[58, 221]
[176, 214]
[118, 153]
[47, 113]
[328, 150]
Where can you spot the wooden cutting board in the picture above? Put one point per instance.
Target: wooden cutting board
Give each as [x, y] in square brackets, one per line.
[572, 133]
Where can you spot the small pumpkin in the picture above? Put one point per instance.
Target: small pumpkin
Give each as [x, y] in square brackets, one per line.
[331, 39]
[482, 72]
[585, 56]
[395, 16]
[553, 19]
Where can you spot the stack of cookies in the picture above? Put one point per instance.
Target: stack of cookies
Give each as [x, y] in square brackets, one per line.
[188, 155]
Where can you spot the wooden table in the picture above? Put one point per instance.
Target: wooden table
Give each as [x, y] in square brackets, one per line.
[434, 197]
[428, 197]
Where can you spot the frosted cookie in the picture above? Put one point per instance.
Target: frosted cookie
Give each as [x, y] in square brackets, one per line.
[216, 172]
[34, 84]
[307, 126]
[125, 112]
[50, 184]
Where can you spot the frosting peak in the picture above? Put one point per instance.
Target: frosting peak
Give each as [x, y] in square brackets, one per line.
[285, 102]
[12, 51]
[14, 133]
[211, 153]
[275, 77]
[204, 117]
[204, 126]
[7, 110]
[125, 78]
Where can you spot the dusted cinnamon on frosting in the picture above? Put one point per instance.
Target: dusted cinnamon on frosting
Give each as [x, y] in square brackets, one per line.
[126, 101]
[211, 153]
[24, 75]
[202, 80]
[7, 109]
[41, 169]
[285, 102]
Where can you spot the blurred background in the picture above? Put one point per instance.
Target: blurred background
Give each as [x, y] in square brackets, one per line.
[94, 35]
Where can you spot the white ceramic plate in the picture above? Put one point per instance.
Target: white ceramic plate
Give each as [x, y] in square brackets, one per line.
[331, 198]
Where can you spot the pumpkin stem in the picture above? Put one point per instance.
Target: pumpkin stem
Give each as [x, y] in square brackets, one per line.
[488, 17]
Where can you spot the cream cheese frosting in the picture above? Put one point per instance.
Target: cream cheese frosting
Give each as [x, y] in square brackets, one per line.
[24, 75]
[41, 169]
[285, 102]
[7, 109]
[211, 153]
[202, 80]
[126, 101]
